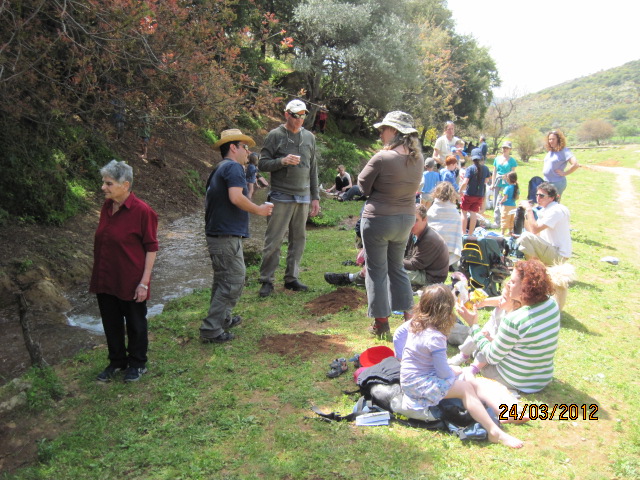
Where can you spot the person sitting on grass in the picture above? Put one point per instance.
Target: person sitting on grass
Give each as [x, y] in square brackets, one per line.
[342, 183]
[520, 355]
[426, 258]
[426, 378]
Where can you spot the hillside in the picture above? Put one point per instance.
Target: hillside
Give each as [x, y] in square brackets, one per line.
[612, 95]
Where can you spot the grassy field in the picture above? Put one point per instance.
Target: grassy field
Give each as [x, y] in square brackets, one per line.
[241, 411]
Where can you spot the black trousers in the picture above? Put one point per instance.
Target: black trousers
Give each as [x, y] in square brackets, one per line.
[116, 314]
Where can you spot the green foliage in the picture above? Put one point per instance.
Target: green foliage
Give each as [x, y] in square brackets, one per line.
[209, 135]
[45, 388]
[49, 171]
[334, 152]
[249, 122]
[194, 182]
[612, 94]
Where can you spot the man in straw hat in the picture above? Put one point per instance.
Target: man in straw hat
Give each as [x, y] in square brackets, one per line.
[289, 153]
[227, 211]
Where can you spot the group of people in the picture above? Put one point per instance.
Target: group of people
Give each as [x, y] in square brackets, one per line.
[401, 247]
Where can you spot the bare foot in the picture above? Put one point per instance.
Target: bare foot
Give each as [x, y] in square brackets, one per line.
[516, 421]
[505, 439]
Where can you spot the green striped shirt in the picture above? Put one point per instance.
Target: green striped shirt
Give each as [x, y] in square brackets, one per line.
[524, 347]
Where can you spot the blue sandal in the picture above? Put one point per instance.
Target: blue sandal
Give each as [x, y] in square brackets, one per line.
[338, 367]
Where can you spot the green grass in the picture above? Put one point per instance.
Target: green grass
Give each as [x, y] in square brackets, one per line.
[236, 411]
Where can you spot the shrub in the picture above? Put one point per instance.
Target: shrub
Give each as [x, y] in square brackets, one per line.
[334, 152]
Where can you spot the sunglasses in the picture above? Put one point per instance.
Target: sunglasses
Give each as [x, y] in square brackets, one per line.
[541, 195]
[298, 115]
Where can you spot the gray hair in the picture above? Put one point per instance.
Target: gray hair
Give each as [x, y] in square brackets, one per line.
[120, 171]
[421, 210]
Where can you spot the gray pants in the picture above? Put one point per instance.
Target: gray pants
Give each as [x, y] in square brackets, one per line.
[387, 282]
[291, 216]
[228, 282]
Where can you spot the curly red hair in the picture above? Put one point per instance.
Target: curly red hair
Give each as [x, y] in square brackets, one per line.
[536, 282]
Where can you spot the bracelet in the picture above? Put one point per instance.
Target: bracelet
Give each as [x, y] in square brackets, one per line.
[143, 286]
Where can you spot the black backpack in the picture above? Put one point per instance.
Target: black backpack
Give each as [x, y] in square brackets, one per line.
[485, 263]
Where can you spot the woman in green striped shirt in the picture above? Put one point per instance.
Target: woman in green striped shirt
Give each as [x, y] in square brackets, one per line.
[521, 354]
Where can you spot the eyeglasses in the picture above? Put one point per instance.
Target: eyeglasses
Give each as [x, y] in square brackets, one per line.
[541, 195]
[298, 115]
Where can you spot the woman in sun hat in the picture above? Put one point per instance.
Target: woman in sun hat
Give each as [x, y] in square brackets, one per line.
[390, 181]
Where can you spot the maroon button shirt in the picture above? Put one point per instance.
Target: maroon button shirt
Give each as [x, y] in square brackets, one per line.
[121, 243]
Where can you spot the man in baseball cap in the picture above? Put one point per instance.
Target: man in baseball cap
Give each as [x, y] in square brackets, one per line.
[289, 153]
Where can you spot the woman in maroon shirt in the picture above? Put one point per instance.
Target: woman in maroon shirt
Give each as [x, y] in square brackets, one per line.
[124, 252]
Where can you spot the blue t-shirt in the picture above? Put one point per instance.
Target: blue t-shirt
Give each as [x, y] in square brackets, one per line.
[221, 216]
[509, 192]
[476, 186]
[447, 175]
[430, 180]
[555, 161]
[252, 170]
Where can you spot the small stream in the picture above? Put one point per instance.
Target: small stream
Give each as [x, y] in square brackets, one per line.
[182, 266]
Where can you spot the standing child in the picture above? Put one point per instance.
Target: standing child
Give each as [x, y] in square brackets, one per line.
[251, 174]
[430, 179]
[426, 378]
[473, 187]
[448, 173]
[508, 203]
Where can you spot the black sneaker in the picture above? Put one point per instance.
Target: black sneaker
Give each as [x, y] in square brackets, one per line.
[107, 374]
[222, 338]
[339, 279]
[133, 374]
[233, 321]
[296, 286]
[266, 289]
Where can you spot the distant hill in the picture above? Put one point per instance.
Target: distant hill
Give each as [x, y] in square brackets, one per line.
[612, 95]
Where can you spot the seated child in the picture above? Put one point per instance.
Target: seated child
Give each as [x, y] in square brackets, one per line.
[426, 378]
[503, 305]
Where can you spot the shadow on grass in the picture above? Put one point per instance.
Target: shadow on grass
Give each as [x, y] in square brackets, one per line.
[566, 396]
[570, 322]
[592, 243]
[590, 287]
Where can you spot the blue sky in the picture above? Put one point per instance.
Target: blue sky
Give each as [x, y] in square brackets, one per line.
[544, 43]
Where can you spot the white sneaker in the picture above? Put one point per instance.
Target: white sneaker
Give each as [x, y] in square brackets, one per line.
[457, 360]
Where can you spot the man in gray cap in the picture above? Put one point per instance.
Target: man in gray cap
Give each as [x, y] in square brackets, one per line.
[289, 153]
[227, 211]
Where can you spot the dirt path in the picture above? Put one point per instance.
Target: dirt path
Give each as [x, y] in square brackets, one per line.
[627, 198]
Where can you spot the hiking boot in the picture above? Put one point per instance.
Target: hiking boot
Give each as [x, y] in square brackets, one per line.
[233, 321]
[107, 374]
[266, 289]
[379, 329]
[133, 374]
[296, 286]
[339, 279]
[222, 338]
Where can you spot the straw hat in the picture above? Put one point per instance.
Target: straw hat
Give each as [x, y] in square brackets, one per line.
[233, 135]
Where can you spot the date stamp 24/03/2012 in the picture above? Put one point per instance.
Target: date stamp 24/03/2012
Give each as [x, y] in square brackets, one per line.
[558, 411]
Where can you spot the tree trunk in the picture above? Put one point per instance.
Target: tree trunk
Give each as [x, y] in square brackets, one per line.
[33, 347]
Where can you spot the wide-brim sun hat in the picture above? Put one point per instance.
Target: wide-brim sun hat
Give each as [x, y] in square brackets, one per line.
[401, 121]
[233, 135]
